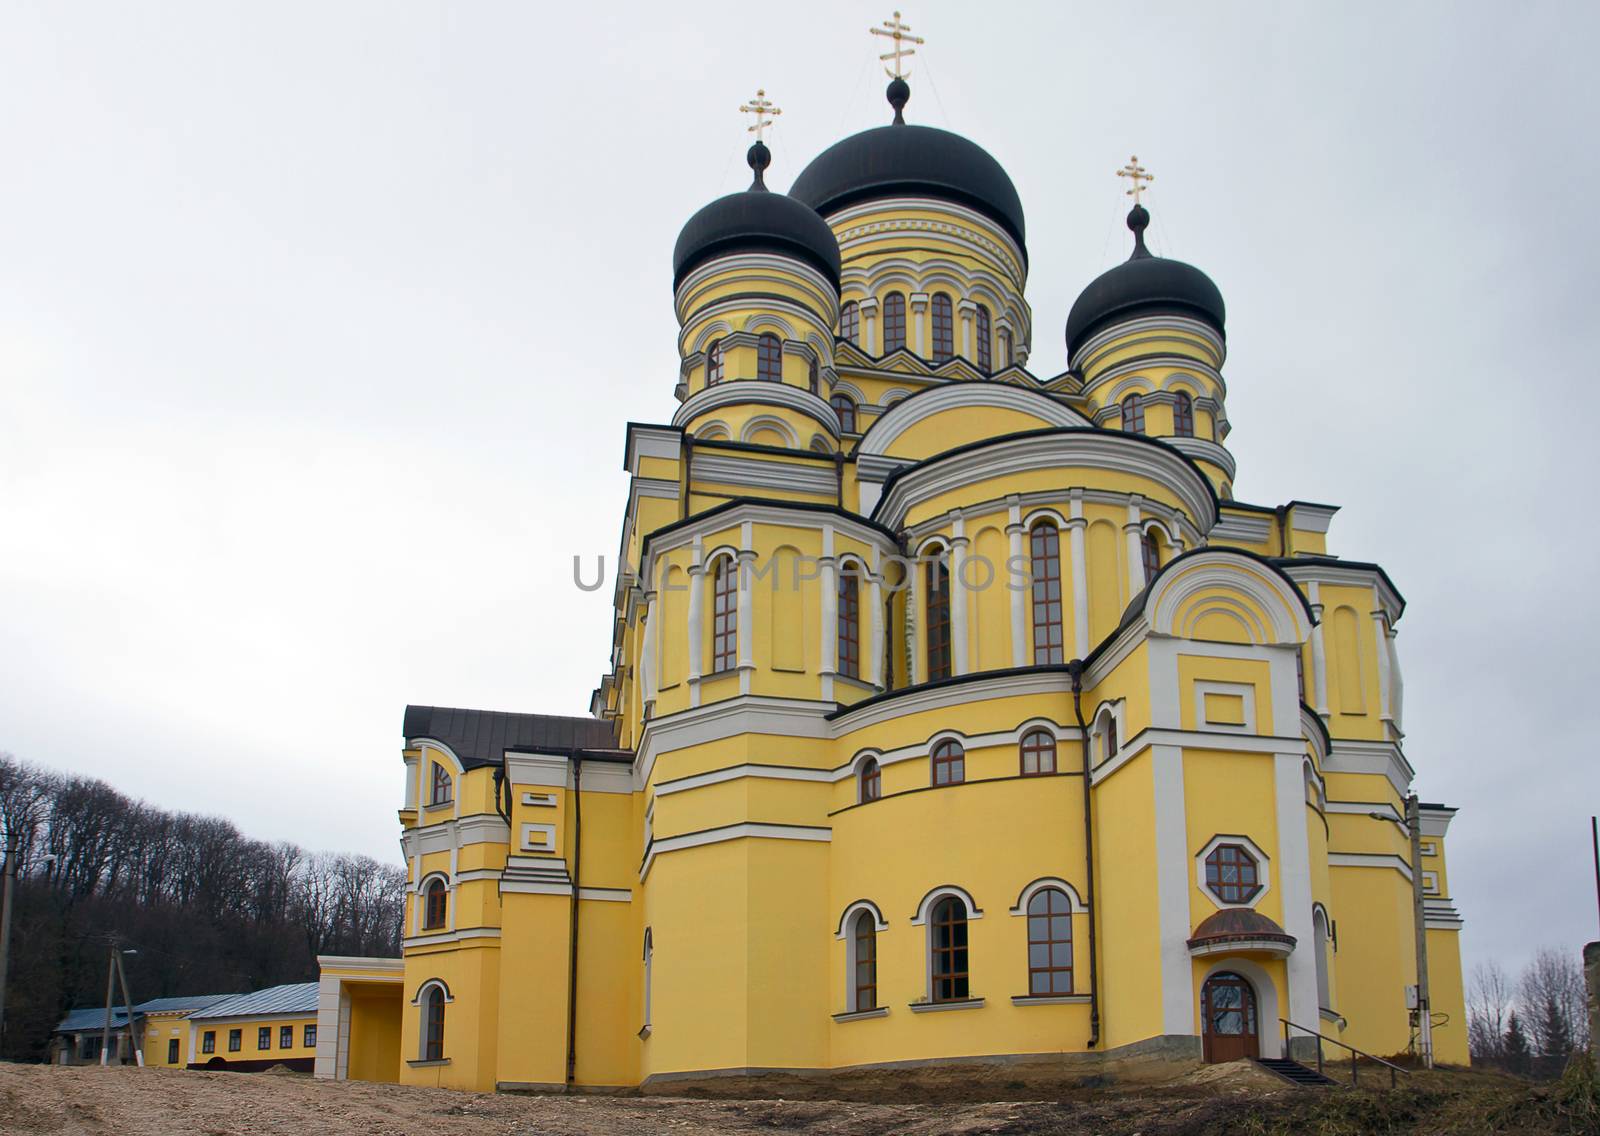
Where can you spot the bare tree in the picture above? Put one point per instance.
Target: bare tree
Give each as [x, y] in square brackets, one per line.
[1489, 1000]
[1554, 1003]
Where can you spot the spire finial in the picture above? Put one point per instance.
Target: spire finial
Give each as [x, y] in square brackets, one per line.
[1136, 174]
[765, 112]
[901, 34]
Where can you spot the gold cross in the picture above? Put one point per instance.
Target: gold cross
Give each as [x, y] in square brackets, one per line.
[901, 34]
[1135, 173]
[765, 112]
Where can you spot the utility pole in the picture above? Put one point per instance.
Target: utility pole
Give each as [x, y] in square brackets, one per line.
[12, 851]
[127, 1001]
[1424, 1005]
[1594, 831]
[111, 977]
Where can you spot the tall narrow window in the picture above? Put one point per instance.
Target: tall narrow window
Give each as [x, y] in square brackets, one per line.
[814, 377]
[285, 1037]
[649, 959]
[1151, 548]
[724, 615]
[442, 789]
[1110, 735]
[434, 907]
[871, 780]
[1006, 355]
[433, 1024]
[1183, 416]
[1319, 927]
[894, 322]
[769, 359]
[1049, 943]
[1133, 414]
[944, 327]
[263, 1037]
[936, 575]
[981, 331]
[714, 363]
[1038, 753]
[1045, 547]
[948, 931]
[849, 622]
[846, 410]
[1300, 674]
[850, 322]
[949, 763]
[865, 968]
[888, 642]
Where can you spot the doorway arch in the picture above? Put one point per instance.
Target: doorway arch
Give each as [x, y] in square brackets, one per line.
[1230, 1017]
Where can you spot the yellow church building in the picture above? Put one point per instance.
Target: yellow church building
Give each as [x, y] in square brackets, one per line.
[955, 713]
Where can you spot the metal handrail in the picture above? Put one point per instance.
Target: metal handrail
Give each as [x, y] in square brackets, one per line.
[1354, 1052]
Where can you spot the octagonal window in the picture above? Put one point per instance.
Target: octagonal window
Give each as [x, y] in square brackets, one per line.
[1232, 874]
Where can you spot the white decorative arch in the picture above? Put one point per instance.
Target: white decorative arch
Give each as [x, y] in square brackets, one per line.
[769, 422]
[709, 561]
[423, 744]
[430, 984]
[934, 539]
[893, 395]
[1130, 384]
[760, 321]
[920, 917]
[856, 908]
[1043, 514]
[840, 386]
[820, 445]
[1074, 900]
[1168, 531]
[715, 431]
[1237, 582]
[895, 421]
[716, 329]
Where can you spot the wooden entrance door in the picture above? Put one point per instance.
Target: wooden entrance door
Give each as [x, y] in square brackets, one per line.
[1228, 1018]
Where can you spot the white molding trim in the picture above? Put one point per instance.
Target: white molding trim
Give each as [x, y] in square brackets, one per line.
[752, 770]
[1075, 904]
[1369, 860]
[860, 905]
[749, 830]
[894, 422]
[1244, 691]
[920, 917]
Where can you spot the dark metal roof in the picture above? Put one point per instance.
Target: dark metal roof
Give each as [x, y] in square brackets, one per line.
[481, 737]
[919, 160]
[1144, 285]
[1239, 924]
[92, 1018]
[756, 221]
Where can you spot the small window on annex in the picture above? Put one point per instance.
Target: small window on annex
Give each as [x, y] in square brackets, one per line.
[982, 332]
[714, 363]
[1183, 416]
[437, 896]
[1038, 753]
[894, 322]
[846, 410]
[850, 322]
[944, 327]
[949, 763]
[871, 780]
[1133, 414]
[769, 359]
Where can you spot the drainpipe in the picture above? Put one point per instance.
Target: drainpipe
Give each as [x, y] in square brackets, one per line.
[1075, 669]
[572, 945]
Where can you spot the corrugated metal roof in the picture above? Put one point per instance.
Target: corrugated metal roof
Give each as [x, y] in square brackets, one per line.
[79, 1021]
[480, 737]
[298, 998]
[88, 1018]
[184, 1004]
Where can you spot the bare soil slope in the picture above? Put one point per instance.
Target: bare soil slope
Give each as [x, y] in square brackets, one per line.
[41, 1099]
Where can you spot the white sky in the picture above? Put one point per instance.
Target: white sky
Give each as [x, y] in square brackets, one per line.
[319, 325]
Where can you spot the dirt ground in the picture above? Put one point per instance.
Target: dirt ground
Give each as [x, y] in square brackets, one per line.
[1222, 1099]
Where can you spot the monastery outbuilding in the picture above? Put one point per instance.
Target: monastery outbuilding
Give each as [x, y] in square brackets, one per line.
[955, 712]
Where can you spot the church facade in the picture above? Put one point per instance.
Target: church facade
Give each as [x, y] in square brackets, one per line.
[954, 712]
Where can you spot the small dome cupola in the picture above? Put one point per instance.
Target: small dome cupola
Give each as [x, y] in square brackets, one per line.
[899, 160]
[1143, 285]
[756, 220]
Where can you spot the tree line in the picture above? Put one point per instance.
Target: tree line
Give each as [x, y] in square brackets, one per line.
[207, 909]
[1533, 1023]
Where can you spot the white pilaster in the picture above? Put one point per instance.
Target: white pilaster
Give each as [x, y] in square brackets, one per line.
[648, 661]
[1397, 684]
[1380, 641]
[916, 658]
[967, 311]
[830, 613]
[1319, 657]
[1293, 875]
[1173, 873]
[869, 327]
[1135, 550]
[697, 601]
[1076, 525]
[1020, 592]
[917, 316]
[958, 600]
[873, 671]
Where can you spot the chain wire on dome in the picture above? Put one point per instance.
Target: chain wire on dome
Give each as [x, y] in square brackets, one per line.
[758, 155]
[899, 92]
[1138, 216]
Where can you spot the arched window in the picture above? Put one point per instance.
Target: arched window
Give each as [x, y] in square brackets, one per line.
[1133, 414]
[864, 962]
[1038, 753]
[814, 377]
[1006, 355]
[849, 622]
[850, 322]
[949, 763]
[846, 410]
[1044, 545]
[1049, 942]
[1150, 546]
[944, 327]
[433, 1024]
[714, 363]
[894, 322]
[1300, 674]
[1232, 874]
[436, 896]
[1319, 927]
[724, 615]
[443, 789]
[981, 331]
[947, 932]
[769, 359]
[936, 574]
[1109, 733]
[871, 779]
[1183, 416]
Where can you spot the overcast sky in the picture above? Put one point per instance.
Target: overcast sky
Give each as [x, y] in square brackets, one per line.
[319, 325]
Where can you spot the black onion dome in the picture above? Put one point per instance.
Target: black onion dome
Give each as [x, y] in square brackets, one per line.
[918, 160]
[756, 221]
[1143, 285]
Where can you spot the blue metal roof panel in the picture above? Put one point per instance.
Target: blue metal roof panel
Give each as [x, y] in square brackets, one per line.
[297, 998]
[78, 1021]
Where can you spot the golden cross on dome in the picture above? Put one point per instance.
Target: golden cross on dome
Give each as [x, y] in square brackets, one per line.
[765, 112]
[1135, 173]
[901, 34]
